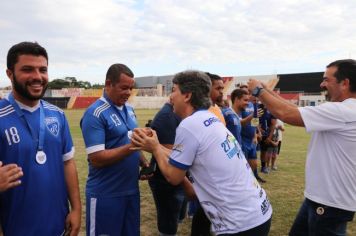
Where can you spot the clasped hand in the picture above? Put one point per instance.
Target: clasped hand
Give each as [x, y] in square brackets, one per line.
[144, 139]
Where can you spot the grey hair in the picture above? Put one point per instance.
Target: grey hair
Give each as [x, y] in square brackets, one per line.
[198, 83]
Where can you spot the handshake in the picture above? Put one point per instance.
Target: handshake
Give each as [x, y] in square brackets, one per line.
[143, 139]
[143, 131]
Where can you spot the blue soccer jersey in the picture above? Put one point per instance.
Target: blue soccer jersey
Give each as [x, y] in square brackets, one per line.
[248, 131]
[105, 126]
[39, 205]
[233, 123]
[265, 122]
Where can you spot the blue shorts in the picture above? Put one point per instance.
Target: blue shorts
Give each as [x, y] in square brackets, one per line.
[249, 150]
[113, 216]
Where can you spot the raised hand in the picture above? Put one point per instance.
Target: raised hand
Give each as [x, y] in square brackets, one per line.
[9, 176]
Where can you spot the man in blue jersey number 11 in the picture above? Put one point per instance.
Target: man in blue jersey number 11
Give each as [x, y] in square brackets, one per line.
[37, 171]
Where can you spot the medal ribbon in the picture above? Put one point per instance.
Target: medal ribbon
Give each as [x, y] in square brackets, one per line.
[22, 116]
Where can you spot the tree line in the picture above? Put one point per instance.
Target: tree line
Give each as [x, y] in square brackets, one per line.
[72, 82]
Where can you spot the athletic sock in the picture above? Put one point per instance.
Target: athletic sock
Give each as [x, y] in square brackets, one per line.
[263, 164]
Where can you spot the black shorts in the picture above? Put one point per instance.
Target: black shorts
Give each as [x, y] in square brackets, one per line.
[264, 145]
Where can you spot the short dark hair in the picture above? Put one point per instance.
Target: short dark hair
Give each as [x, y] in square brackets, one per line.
[213, 77]
[24, 48]
[243, 86]
[114, 72]
[237, 93]
[198, 83]
[346, 69]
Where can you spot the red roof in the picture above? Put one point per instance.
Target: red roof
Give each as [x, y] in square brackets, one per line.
[290, 96]
[84, 102]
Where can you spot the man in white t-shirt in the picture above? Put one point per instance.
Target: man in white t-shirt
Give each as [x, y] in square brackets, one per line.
[330, 185]
[223, 181]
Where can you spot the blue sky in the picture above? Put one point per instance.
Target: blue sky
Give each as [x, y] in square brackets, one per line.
[230, 38]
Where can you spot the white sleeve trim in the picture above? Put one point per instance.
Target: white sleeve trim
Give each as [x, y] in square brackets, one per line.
[69, 155]
[95, 148]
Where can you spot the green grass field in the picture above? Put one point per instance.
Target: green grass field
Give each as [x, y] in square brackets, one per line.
[284, 186]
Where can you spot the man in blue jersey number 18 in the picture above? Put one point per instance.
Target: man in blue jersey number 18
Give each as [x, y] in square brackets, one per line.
[37, 171]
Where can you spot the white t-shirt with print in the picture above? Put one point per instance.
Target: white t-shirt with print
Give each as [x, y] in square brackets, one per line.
[222, 179]
[331, 159]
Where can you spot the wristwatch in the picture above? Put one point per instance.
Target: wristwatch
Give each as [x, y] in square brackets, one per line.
[256, 91]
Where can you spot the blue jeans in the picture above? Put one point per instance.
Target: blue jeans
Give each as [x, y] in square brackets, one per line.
[315, 219]
[169, 201]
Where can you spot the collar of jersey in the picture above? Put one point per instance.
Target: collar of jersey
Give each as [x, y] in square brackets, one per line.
[106, 101]
[27, 108]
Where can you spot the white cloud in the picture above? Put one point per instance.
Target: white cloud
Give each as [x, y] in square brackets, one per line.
[164, 36]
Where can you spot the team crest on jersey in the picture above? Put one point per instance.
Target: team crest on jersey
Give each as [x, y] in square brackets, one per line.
[52, 124]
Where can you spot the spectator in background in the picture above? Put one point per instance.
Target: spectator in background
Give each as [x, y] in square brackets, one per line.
[279, 129]
[249, 135]
[267, 125]
[169, 199]
[330, 171]
[38, 175]
[233, 123]
[272, 150]
[216, 95]
[239, 100]
[112, 191]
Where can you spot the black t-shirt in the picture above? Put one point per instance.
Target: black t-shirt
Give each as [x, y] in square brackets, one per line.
[165, 124]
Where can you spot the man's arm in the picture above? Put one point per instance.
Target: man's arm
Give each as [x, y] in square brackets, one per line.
[150, 144]
[9, 176]
[279, 107]
[172, 174]
[280, 127]
[188, 189]
[74, 217]
[94, 133]
[246, 120]
[108, 157]
[186, 184]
